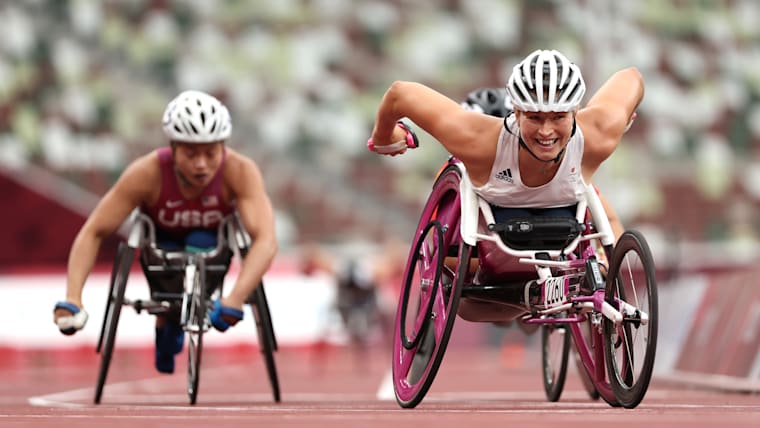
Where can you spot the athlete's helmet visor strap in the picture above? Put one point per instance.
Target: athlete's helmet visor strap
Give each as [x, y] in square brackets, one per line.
[525, 146]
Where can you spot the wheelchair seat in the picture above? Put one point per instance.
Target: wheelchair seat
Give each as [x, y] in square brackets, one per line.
[538, 233]
[538, 229]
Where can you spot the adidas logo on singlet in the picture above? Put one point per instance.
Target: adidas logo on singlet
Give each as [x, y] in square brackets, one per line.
[505, 175]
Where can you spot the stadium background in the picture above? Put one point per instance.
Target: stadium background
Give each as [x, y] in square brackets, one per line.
[83, 84]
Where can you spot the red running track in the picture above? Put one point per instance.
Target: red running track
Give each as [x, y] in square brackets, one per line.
[332, 387]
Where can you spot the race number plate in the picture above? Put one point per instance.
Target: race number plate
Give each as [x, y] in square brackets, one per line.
[554, 292]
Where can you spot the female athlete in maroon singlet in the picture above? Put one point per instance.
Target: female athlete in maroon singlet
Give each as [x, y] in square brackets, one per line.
[175, 215]
[187, 187]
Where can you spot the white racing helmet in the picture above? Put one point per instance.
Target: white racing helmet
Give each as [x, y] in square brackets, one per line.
[196, 117]
[546, 81]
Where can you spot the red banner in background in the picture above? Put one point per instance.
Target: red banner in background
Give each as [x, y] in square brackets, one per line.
[37, 230]
[723, 338]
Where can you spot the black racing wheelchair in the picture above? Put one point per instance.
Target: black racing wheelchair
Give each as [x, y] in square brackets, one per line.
[182, 285]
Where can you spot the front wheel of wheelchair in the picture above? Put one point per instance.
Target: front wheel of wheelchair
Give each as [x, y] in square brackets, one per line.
[118, 285]
[267, 340]
[195, 327]
[630, 346]
[555, 348]
[430, 294]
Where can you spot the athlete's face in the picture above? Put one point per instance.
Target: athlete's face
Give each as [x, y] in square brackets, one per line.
[545, 134]
[197, 163]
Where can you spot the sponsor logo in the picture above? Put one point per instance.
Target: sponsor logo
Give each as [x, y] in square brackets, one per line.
[505, 175]
[174, 204]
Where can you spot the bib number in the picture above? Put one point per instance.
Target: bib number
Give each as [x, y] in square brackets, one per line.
[554, 292]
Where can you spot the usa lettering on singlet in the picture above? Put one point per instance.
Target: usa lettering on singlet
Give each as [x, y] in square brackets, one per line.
[506, 189]
[178, 216]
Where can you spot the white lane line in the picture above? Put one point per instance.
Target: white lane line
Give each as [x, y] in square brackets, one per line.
[326, 409]
[131, 394]
[63, 399]
[385, 391]
[520, 401]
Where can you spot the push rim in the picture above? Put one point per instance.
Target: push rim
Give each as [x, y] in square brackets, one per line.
[414, 368]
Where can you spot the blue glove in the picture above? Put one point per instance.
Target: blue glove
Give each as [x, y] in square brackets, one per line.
[70, 324]
[222, 317]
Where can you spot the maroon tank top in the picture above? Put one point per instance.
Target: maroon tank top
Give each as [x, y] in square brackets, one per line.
[176, 216]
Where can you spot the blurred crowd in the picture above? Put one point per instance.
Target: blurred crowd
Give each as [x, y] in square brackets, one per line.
[83, 84]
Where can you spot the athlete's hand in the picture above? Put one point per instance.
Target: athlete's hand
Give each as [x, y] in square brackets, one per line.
[409, 141]
[224, 317]
[69, 317]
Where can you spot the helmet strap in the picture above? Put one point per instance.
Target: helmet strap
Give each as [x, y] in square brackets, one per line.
[554, 160]
[182, 179]
[525, 146]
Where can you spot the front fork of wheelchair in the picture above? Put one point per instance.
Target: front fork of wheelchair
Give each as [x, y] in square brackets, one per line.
[596, 280]
[188, 295]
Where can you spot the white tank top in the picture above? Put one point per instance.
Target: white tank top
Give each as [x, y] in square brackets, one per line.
[506, 189]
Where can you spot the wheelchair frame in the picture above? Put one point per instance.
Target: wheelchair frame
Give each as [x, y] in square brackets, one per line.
[567, 294]
[193, 299]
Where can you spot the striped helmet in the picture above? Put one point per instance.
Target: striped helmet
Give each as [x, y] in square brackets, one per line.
[196, 117]
[546, 81]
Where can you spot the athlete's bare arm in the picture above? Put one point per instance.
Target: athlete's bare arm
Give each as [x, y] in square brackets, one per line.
[468, 135]
[257, 215]
[135, 185]
[605, 117]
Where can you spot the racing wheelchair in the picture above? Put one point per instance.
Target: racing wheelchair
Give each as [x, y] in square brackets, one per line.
[182, 284]
[563, 273]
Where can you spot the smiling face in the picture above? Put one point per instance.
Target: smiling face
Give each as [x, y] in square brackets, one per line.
[545, 133]
[197, 163]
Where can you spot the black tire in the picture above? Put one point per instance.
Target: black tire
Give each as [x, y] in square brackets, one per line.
[630, 348]
[265, 330]
[555, 348]
[423, 330]
[194, 329]
[267, 340]
[119, 275]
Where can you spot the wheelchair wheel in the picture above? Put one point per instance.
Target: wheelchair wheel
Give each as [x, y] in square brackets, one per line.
[630, 347]
[195, 327]
[555, 348]
[430, 294]
[119, 274]
[265, 331]
[267, 341]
